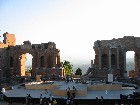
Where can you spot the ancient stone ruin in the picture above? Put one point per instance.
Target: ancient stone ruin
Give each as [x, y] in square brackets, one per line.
[110, 56]
[45, 61]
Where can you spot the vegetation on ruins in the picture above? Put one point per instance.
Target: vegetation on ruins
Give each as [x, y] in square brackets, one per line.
[68, 67]
[78, 72]
[28, 70]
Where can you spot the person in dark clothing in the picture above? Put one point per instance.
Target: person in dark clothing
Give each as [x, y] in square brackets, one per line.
[46, 91]
[68, 94]
[29, 99]
[45, 101]
[73, 91]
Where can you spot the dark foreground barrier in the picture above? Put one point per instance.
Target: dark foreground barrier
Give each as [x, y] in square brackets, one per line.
[106, 102]
[61, 101]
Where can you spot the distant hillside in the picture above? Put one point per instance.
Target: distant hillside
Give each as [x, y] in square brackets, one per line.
[85, 65]
[129, 64]
[129, 60]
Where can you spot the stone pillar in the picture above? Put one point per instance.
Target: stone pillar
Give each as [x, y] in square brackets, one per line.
[45, 61]
[138, 64]
[54, 60]
[33, 65]
[139, 67]
[118, 59]
[100, 62]
[58, 60]
[124, 60]
[91, 63]
[110, 59]
[38, 61]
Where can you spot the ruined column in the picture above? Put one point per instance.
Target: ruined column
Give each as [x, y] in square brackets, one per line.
[137, 61]
[33, 65]
[91, 63]
[58, 60]
[54, 60]
[118, 58]
[110, 59]
[100, 63]
[37, 60]
[124, 60]
[138, 66]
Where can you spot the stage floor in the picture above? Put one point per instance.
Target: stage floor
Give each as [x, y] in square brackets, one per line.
[109, 94]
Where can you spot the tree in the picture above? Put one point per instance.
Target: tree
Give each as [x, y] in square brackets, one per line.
[78, 72]
[68, 67]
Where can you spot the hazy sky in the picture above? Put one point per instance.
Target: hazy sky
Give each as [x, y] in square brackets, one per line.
[73, 25]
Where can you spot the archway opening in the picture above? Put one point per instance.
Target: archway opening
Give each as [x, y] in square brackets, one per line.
[25, 64]
[49, 59]
[113, 61]
[104, 60]
[28, 64]
[130, 60]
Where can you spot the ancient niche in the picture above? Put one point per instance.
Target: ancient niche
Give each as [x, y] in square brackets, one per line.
[110, 56]
[45, 61]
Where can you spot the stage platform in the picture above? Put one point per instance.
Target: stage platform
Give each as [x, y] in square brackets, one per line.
[84, 91]
[62, 86]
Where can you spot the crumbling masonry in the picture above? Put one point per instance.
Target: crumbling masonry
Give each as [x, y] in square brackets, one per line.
[45, 61]
[110, 56]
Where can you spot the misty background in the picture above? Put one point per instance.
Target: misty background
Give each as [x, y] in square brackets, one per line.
[83, 65]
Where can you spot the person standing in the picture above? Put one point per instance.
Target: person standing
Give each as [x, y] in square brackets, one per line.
[27, 99]
[40, 100]
[46, 91]
[71, 100]
[68, 92]
[45, 101]
[51, 99]
[73, 91]
[68, 101]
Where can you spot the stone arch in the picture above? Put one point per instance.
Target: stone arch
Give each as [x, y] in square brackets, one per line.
[12, 54]
[117, 54]
[21, 62]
